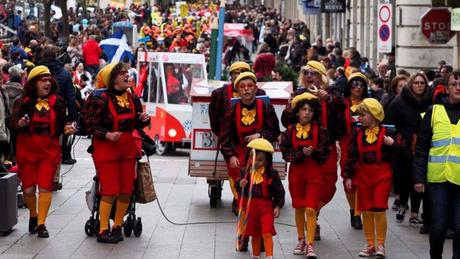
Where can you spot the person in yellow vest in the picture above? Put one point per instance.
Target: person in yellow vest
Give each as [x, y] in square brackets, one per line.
[437, 165]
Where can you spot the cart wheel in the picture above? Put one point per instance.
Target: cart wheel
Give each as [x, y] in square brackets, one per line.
[161, 147]
[128, 227]
[97, 227]
[89, 227]
[138, 227]
[214, 195]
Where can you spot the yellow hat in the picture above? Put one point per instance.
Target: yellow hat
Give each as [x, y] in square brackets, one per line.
[357, 75]
[262, 145]
[374, 107]
[317, 66]
[102, 78]
[38, 71]
[239, 65]
[304, 96]
[245, 75]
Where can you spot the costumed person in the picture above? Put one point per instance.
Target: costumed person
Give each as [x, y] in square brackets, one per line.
[436, 165]
[313, 79]
[262, 196]
[220, 105]
[39, 118]
[305, 144]
[355, 93]
[111, 116]
[249, 119]
[368, 169]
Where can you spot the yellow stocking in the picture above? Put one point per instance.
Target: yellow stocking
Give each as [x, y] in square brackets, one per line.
[255, 243]
[369, 227]
[105, 208]
[311, 225]
[44, 202]
[381, 226]
[31, 202]
[268, 244]
[300, 223]
[122, 207]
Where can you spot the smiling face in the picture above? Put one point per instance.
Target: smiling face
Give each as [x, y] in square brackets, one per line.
[311, 77]
[43, 86]
[305, 114]
[247, 90]
[122, 80]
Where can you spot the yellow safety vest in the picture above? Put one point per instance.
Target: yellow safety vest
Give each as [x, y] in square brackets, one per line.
[444, 158]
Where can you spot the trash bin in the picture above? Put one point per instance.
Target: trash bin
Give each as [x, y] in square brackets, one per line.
[8, 202]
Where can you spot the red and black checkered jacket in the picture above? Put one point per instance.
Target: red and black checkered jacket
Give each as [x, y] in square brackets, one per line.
[99, 120]
[26, 105]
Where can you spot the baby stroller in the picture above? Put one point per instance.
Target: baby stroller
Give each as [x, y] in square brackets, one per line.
[131, 225]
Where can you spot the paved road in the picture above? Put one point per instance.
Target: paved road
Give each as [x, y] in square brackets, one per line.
[185, 199]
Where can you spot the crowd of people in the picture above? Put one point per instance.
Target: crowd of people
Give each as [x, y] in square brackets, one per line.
[385, 130]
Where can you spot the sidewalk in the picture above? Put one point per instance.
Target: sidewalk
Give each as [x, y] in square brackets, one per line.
[185, 199]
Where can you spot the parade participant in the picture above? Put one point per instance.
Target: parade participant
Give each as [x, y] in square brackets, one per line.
[368, 169]
[436, 165]
[250, 118]
[111, 116]
[220, 105]
[39, 118]
[313, 79]
[305, 144]
[263, 196]
[354, 94]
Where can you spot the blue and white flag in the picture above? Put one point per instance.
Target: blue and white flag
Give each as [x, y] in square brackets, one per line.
[116, 47]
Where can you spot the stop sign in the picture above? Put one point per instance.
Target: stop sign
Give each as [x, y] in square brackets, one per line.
[436, 25]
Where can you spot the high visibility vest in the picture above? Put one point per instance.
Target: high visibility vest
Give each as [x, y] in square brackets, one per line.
[444, 157]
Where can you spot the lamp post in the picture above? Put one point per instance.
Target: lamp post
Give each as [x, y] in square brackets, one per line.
[220, 40]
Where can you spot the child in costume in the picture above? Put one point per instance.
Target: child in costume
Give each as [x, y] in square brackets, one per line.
[262, 196]
[368, 169]
[306, 146]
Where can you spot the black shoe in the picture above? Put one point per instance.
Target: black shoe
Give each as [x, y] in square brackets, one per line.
[352, 217]
[106, 237]
[449, 234]
[42, 231]
[424, 230]
[396, 205]
[116, 233]
[68, 161]
[33, 225]
[357, 224]
[401, 213]
[57, 186]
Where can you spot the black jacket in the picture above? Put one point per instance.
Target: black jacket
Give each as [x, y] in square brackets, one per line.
[65, 86]
[422, 149]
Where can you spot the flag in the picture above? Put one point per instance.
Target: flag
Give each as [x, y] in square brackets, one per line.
[116, 47]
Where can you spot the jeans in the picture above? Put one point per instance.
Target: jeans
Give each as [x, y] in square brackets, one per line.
[93, 70]
[445, 202]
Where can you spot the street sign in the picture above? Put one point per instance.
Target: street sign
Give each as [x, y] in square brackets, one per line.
[385, 28]
[436, 25]
[333, 6]
[446, 3]
[455, 20]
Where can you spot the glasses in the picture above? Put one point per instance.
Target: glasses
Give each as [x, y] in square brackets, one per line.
[45, 79]
[309, 72]
[418, 82]
[357, 84]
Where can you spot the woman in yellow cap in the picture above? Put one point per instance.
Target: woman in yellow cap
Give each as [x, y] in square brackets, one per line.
[263, 196]
[39, 118]
[220, 105]
[111, 116]
[368, 168]
[305, 144]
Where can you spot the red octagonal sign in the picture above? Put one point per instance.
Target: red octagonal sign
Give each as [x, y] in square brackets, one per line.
[436, 25]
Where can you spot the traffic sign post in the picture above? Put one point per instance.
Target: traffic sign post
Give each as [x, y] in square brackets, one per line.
[385, 29]
[435, 25]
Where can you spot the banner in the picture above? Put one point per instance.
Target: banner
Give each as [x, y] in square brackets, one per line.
[333, 6]
[311, 7]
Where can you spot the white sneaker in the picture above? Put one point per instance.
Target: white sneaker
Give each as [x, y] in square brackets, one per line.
[300, 248]
[380, 253]
[310, 253]
[368, 251]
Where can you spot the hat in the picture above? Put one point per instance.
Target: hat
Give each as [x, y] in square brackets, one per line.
[304, 96]
[38, 71]
[317, 66]
[245, 75]
[357, 75]
[374, 107]
[239, 65]
[102, 78]
[262, 145]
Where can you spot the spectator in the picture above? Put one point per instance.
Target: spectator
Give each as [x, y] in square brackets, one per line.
[264, 63]
[91, 54]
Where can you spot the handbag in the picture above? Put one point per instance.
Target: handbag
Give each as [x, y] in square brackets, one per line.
[145, 190]
[148, 144]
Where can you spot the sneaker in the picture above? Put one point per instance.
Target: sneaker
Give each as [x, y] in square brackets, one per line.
[415, 220]
[310, 252]
[380, 253]
[33, 221]
[256, 257]
[300, 248]
[42, 231]
[401, 213]
[116, 233]
[396, 205]
[317, 233]
[106, 237]
[424, 230]
[368, 251]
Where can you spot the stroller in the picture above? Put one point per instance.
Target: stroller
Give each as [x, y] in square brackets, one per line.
[7, 168]
[131, 225]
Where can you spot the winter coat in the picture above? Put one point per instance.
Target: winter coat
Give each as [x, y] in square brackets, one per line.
[91, 52]
[12, 90]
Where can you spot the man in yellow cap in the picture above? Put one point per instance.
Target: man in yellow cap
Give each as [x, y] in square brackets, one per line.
[220, 105]
[368, 168]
